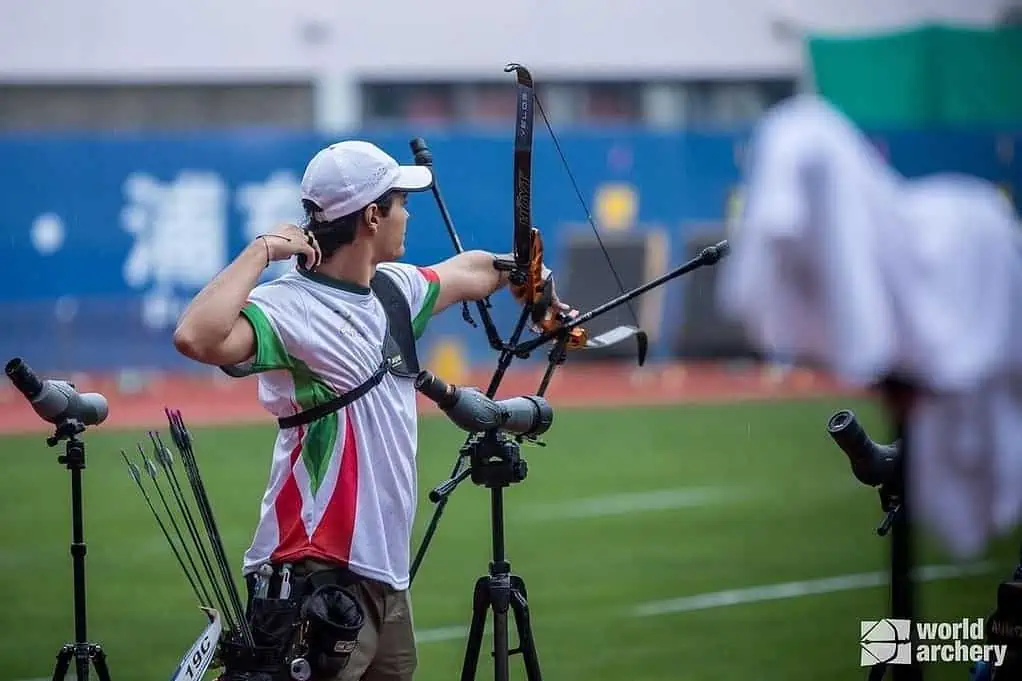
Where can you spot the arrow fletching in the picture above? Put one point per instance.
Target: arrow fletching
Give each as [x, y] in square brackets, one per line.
[133, 469]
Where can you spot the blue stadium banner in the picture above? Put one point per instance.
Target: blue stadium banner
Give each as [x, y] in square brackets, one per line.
[106, 239]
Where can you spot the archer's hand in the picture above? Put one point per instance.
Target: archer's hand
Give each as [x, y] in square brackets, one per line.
[557, 313]
[564, 311]
[522, 292]
[287, 241]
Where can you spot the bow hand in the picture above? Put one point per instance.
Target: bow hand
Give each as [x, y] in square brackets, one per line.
[534, 287]
[549, 314]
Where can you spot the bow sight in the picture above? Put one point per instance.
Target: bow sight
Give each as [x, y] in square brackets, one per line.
[493, 459]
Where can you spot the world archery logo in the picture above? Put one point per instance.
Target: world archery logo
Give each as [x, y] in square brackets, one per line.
[889, 641]
[885, 641]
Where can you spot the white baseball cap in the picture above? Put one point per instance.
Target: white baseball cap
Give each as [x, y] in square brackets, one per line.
[348, 176]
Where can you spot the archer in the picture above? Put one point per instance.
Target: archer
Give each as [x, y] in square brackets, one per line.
[333, 343]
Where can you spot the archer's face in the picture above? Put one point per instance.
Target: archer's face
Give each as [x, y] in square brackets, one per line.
[390, 234]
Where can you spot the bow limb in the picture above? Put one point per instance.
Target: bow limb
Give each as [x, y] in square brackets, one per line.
[527, 284]
[525, 113]
[530, 286]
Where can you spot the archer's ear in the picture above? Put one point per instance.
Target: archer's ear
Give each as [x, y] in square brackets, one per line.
[372, 217]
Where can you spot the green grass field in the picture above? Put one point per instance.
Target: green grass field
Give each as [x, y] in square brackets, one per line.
[771, 500]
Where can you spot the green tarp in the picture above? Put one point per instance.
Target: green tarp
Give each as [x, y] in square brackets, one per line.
[929, 76]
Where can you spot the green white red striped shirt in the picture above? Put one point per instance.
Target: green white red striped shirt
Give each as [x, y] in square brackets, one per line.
[342, 488]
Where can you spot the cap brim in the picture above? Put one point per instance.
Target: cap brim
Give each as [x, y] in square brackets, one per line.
[414, 179]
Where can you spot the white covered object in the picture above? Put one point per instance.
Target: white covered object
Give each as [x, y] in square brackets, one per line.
[840, 262]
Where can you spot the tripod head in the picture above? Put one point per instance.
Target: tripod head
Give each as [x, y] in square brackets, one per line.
[872, 464]
[68, 429]
[495, 462]
[494, 457]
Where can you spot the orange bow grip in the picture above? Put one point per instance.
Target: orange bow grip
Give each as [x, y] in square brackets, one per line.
[537, 293]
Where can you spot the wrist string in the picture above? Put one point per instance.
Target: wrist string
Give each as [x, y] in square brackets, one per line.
[267, 245]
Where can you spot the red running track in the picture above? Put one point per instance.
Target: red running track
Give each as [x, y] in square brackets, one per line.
[216, 399]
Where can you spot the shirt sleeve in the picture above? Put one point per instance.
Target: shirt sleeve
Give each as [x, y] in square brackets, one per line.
[420, 286]
[276, 315]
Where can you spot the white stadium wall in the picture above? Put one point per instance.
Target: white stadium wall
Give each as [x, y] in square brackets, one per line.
[153, 40]
[335, 45]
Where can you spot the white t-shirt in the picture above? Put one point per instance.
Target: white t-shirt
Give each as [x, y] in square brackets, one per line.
[342, 488]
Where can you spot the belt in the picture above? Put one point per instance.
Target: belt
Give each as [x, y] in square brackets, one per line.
[307, 575]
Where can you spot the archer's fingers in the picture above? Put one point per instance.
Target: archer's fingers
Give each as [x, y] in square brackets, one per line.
[319, 252]
[315, 255]
[565, 310]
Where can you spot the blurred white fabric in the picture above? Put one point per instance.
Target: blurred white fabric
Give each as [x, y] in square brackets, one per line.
[840, 261]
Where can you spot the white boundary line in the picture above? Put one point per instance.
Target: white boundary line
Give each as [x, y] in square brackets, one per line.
[757, 594]
[624, 504]
[773, 592]
[441, 634]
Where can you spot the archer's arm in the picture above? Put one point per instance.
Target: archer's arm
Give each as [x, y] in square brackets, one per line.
[472, 276]
[212, 329]
[467, 276]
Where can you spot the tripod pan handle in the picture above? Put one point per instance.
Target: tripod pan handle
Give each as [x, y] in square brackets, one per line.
[447, 486]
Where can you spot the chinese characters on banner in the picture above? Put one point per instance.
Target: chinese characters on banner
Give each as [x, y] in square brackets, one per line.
[180, 232]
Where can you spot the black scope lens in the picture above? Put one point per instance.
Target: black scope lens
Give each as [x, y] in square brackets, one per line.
[23, 378]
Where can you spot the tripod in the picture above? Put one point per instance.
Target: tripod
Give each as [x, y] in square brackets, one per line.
[81, 650]
[886, 467]
[898, 396]
[496, 463]
[892, 500]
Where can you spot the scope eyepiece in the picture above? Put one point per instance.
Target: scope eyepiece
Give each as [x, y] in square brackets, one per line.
[23, 378]
[872, 464]
[433, 387]
[840, 421]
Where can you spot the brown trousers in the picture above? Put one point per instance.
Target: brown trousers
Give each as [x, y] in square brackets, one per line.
[386, 643]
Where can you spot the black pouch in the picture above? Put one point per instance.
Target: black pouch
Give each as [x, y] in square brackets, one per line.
[244, 663]
[274, 622]
[332, 618]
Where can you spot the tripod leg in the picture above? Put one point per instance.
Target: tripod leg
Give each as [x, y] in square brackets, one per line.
[82, 663]
[99, 661]
[63, 661]
[500, 599]
[526, 644]
[480, 604]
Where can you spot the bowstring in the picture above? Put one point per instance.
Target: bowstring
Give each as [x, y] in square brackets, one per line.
[585, 206]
